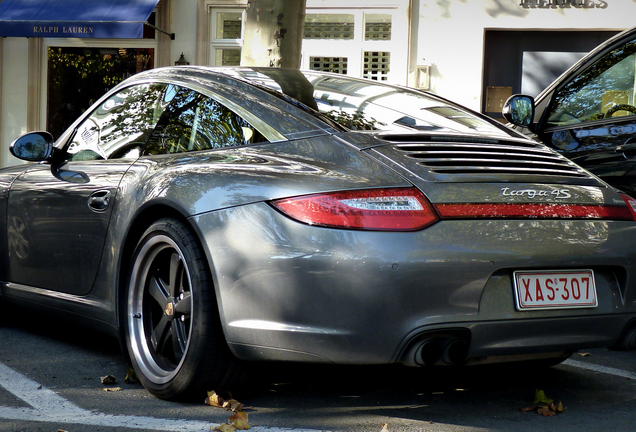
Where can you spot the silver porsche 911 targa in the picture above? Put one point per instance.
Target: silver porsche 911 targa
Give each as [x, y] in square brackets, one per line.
[213, 217]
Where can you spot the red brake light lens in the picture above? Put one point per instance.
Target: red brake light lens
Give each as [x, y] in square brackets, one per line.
[536, 211]
[395, 209]
[631, 205]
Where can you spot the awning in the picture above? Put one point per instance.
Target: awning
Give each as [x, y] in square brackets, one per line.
[74, 18]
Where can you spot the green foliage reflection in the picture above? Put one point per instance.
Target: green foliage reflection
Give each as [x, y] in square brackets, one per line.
[79, 76]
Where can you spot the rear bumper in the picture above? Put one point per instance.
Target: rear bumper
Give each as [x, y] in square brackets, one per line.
[492, 341]
[288, 291]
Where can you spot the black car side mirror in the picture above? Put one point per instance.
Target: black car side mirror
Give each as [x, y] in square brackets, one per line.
[519, 110]
[33, 146]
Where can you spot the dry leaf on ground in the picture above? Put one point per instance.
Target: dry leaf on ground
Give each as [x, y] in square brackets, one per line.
[547, 406]
[108, 379]
[131, 377]
[239, 420]
[218, 401]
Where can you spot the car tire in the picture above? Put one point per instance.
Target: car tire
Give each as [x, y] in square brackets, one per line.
[172, 327]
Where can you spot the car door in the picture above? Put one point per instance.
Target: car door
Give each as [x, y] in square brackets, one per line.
[591, 116]
[58, 214]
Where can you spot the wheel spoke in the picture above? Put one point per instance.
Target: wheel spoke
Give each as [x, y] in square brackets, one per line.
[160, 334]
[157, 290]
[184, 304]
[176, 270]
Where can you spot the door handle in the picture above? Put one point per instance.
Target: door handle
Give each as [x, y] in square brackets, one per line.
[99, 201]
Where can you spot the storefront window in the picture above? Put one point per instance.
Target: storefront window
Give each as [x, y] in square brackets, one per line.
[77, 77]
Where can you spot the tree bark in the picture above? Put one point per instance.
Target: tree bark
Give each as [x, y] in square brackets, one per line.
[273, 33]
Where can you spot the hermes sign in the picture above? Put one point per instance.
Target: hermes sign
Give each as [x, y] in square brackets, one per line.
[563, 4]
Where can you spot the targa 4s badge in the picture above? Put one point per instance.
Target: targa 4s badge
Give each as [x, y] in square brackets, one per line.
[532, 193]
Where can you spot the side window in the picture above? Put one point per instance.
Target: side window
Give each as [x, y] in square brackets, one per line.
[120, 126]
[193, 122]
[603, 90]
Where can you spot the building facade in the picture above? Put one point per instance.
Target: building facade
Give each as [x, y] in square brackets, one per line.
[475, 52]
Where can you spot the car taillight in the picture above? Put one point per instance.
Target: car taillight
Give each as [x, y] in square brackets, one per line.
[631, 205]
[395, 209]
[535, 211]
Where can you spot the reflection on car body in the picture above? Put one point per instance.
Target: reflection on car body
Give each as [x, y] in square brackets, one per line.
[212, 217]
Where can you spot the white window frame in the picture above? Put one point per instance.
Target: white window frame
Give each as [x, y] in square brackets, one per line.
[220, 44]
[354, 49]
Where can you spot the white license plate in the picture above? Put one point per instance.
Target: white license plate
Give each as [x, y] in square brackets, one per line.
[557, 289]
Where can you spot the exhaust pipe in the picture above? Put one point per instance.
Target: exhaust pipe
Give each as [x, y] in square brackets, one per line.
[442, 350]
[455, 352]
[430, 352]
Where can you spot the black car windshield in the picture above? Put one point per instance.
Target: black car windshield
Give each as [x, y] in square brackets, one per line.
[365, 105]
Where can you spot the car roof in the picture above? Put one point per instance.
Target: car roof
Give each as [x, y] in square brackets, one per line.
[284, 87]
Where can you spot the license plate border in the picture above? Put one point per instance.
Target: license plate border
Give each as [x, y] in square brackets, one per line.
[517, 291]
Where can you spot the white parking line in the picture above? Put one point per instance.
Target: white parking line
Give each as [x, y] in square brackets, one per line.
[48, 406]
[601, 369]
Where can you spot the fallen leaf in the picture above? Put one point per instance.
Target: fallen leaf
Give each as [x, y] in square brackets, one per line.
[526, 409]
[112, 389]
[218, 401]
[239, 420]
[108, 379]
[131, 377]
[214, 399]
[540, 397]
[233, 405]
[545, 411]
[385, 428]
[584, 354]
[224, 428]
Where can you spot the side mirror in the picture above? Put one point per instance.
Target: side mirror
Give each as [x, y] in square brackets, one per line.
[33, 146]
[519, 110]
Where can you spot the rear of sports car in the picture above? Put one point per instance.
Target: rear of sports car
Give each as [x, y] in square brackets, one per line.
[488, 249]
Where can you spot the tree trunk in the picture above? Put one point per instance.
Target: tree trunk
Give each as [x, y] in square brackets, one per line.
[273, 33]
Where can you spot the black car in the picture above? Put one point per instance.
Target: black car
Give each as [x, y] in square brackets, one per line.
[589, 113]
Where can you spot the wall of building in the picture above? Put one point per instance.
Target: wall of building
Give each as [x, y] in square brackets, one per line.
[13, 117]
[451, 34]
